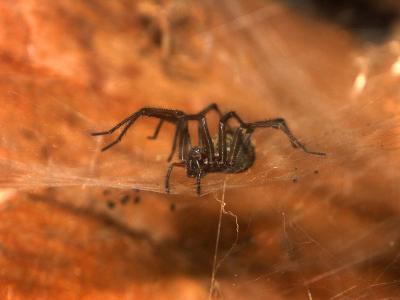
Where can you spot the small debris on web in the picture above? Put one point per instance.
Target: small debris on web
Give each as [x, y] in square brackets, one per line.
[137, 198]
[110, 204]
[125, 199]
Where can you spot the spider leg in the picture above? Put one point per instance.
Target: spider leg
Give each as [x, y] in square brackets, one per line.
[203, 132]
[280, 124]
[206, 138]
[110, 131]
[241, 138]
[177, 132]
[235, 146]
[123, 132]
[240, 141]
[221, 142]
[155, 134]
[200, 136]
[198, 183]
[222, 147]
[184, 142]
[163, 114]
[167, 177]
[212, 106]
[234, 115]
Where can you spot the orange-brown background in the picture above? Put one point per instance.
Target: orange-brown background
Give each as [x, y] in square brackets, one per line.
[309, 227]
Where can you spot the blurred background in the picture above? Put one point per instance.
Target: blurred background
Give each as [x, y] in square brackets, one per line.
[78, 223]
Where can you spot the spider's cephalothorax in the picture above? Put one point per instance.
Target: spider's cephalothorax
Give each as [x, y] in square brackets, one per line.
[230, 151]
[196, 161]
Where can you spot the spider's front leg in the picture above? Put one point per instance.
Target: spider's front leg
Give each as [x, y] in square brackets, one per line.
[167, 177]
[198, 183]
[179, 131]
[155, 134]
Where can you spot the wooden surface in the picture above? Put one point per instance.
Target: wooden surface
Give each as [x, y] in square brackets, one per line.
[309, 227]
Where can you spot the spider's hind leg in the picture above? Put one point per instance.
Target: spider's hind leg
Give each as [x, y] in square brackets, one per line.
[280, 124]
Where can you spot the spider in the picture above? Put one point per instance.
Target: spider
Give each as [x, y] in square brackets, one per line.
[231, 151]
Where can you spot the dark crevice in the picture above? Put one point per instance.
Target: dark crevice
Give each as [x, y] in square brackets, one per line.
[369, 20]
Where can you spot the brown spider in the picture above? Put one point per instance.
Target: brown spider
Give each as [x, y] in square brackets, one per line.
[231, 152]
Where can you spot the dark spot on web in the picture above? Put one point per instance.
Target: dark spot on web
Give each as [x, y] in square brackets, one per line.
[124, 199]
[110, 204]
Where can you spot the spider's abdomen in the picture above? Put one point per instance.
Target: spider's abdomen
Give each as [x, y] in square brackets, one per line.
[244, 158]
[243, 161]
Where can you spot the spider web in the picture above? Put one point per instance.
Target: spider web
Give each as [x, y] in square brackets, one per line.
[283, 81]
[360, 136]
[313, 226]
